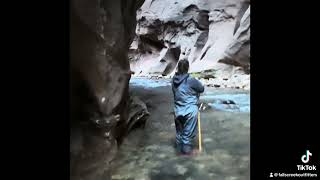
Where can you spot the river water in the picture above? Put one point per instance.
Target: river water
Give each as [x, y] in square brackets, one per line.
[211, 96]
[149, 153]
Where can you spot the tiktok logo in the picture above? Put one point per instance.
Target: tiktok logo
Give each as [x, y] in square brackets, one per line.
[305, 158]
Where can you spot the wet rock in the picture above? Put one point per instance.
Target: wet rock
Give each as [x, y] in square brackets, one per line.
[106, 123]
[162, 156]
[206, 140]
[138, 113]
[100, 34]
[216, 85]
[201, 166]
[222, 105]
[208, 76]
[225, 102]
[181, 169]
[152, 148]
[225, 107]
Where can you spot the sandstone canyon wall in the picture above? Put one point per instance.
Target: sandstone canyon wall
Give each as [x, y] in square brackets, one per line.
[101, 32]
[211, 34]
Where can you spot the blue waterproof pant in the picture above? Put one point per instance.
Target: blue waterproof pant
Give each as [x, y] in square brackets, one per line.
[186, 130]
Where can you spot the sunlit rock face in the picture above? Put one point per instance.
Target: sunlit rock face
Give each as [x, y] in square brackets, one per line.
[211, 34]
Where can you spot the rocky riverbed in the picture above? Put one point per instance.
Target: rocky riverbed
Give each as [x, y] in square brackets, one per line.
[148, 153]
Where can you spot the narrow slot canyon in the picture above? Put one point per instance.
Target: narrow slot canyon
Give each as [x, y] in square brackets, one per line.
[123, 55]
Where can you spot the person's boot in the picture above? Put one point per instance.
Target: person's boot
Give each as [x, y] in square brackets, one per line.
[186, 149]
[178, 147]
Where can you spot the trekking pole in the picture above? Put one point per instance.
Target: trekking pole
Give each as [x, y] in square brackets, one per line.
[199, 130]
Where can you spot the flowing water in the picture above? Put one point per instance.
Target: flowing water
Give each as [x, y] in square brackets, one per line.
[150, 154]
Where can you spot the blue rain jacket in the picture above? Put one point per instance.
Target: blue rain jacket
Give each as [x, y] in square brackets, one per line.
[186, 92]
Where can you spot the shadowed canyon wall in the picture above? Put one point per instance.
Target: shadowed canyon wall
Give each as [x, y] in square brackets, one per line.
[100, 34]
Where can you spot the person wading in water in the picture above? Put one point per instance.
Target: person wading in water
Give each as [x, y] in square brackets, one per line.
[186, 92]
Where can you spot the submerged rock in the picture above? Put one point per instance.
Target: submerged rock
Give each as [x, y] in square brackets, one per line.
[226, 102]
[224, 107]
[138, 113]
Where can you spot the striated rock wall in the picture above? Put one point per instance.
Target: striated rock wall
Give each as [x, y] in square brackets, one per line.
[211, 34]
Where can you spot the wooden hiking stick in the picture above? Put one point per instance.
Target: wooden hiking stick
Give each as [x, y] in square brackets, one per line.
[199, 130]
